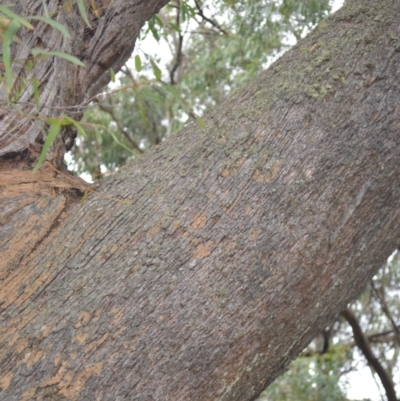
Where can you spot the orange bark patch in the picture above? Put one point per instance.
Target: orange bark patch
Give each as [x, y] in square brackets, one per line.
[118, 312]
[81, 338]
[96, 317]
[175, 225]
[253, 234]
[225, 173]
[5, 381]
[96, 344]
[33, 204]
[83, 320]
[268, 173]
[20, 189]
[203, 250]
[153, 231]
[13, 340]
[57, 359]
[27, 232]
[69, 386]
[258, 176]
[21, 345]
[33, 357]
[200, 220]
[46, 331]
[75, 386]
[28, 395]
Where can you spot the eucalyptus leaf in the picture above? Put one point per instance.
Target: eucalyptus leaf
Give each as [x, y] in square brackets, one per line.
[11, 30]
[82, 10]
[50, 138]
[112, 75]
[156, 70]
[138, 63]
[67, 56]
[5, 10]
[52, 23]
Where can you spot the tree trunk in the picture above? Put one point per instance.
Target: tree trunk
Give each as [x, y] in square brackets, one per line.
[199, 271]
[66, 88]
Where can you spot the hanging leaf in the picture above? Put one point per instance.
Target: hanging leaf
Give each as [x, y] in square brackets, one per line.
[112, 75]
[151, 95]
[156, 70]
[51, 136]
[187, 11]
[184, 11]
[82, 10]
[152, 28]
[159, 21]
[52, 23]
[175, 27]
[138, 63]
[67, 56]
[36, 51]
[16, 17]
[119, 142]
[11, 30]
[66, 120]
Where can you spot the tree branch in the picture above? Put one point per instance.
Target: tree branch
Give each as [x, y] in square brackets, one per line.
[386, 311]
[178, 48]
[209, 20]
[364, 346]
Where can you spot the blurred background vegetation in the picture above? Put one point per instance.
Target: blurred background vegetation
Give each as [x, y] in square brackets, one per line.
[189, 58]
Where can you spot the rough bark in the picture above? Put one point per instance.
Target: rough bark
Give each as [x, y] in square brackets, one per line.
[200, 270]
[64, 87]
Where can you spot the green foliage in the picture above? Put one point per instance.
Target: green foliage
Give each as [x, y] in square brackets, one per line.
[55, 125]
[8, 38]
[214, 47]
[312, 378]
[50, 138]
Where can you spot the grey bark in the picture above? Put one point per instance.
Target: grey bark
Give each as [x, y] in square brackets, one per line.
[202, 269]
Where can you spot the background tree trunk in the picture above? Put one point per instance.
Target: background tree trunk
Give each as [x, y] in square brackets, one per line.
[66, 88]
[200, 270]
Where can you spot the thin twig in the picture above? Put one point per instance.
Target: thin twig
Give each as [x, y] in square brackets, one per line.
[111, 112]
[178, 48]
[209, 20]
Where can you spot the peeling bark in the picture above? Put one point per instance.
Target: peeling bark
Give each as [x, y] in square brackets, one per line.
[66, 87]
[202, 269]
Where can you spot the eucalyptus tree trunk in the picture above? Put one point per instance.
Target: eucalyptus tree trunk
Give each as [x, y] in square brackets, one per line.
[199, 271]
[64, 87]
